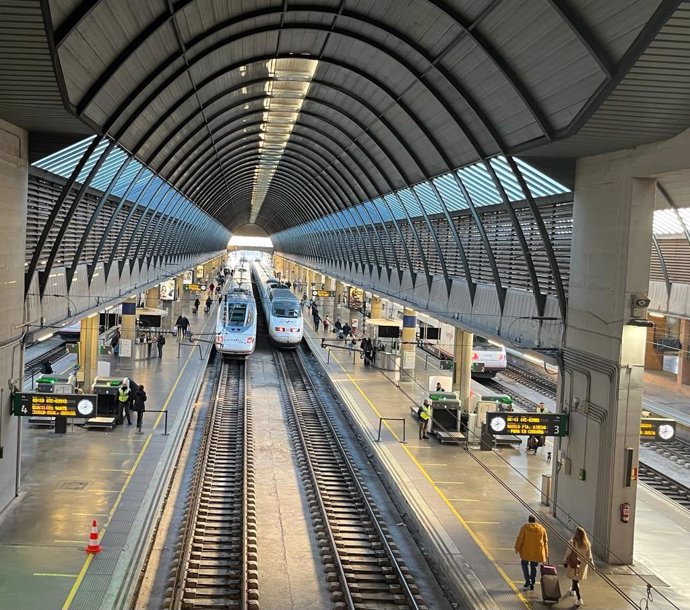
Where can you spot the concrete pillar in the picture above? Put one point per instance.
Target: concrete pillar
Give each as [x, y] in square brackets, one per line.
[152, 298]
[409, 335]
[339, 289]
[13, 194]
[180, 296]
[462, 369]
[376, 307]
[329, 302]
[128, 331]
[602, 381]
[88, 350]
[683, 377]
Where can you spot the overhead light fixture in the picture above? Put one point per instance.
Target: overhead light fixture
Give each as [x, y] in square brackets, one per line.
[656, 315]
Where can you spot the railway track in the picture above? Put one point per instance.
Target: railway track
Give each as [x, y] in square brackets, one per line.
[531, 380]
[34, 366]
[521, 401]
[664, 484]
[677, 451]
[218, 565]
[363, 567]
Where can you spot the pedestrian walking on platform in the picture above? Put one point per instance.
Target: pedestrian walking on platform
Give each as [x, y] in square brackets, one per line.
[160, 342]
[140, 405]
[209, 303]
[578, 558]
[541, 407]
[532, 545]
[439, 387]
[424, 415]
[124, 396]
[46, 368]
[179, 326]
[197, 303]
[326, 325]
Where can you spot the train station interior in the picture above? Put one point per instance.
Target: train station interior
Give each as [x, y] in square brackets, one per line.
[344, 304]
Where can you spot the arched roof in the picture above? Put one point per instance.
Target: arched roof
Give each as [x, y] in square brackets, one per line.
[278, 113]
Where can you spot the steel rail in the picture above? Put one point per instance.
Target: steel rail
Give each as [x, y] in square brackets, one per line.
[299, 373]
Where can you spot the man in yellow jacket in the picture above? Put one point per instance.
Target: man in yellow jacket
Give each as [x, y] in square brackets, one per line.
[532, 545]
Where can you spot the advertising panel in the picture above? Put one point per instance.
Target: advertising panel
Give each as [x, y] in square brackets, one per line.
[166, 290]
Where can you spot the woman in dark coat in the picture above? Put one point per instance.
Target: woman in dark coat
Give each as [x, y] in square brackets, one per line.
[140, 405]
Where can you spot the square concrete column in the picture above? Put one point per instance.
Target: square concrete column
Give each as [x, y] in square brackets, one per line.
[376, 307]
[128, 331]
[462, 369]
[152, 297]
[409, 337]
[13, 194]
[603, 359]
[88, 350]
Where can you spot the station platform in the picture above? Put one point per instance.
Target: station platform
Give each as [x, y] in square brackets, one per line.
[117, 477]
[468, 506]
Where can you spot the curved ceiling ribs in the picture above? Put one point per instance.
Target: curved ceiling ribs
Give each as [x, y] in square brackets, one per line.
[393, 102]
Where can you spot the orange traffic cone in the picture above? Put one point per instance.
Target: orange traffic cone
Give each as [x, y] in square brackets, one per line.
[93, 546]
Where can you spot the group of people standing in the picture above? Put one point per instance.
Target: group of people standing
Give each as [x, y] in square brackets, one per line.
[532, 545]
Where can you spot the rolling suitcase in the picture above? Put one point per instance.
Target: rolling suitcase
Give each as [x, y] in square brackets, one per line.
[550, 586]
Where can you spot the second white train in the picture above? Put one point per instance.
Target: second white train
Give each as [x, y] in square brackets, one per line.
[281, 309]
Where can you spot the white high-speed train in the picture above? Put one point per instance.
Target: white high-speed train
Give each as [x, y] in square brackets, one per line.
[236, 322]
[281, 308]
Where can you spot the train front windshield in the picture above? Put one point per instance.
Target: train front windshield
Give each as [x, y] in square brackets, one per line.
[237, 313]
[480, 343]
[284, 309]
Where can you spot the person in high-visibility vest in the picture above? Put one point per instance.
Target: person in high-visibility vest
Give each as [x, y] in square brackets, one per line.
[123, 396]
[424, 415]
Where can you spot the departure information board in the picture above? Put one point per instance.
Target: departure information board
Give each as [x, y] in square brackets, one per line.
[526, 424]
[657, 429]
[54, 405]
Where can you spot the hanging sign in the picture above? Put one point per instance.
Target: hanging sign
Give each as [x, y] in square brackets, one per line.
[657, 429]
[527, 424]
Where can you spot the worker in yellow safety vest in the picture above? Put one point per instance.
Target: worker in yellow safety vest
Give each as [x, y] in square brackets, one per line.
[123, 398]
[424, 415]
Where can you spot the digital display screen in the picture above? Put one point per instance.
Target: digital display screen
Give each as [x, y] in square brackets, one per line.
[26, 404]
[526, 424]
[657, 429]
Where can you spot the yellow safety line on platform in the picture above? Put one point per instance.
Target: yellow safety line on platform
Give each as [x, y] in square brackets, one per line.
[140, 455]
[443, 496]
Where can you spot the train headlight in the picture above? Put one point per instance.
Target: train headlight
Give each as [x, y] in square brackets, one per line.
[250, 339]
[280, 329]
[475, 356]
[501, 356]
[294, 330]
